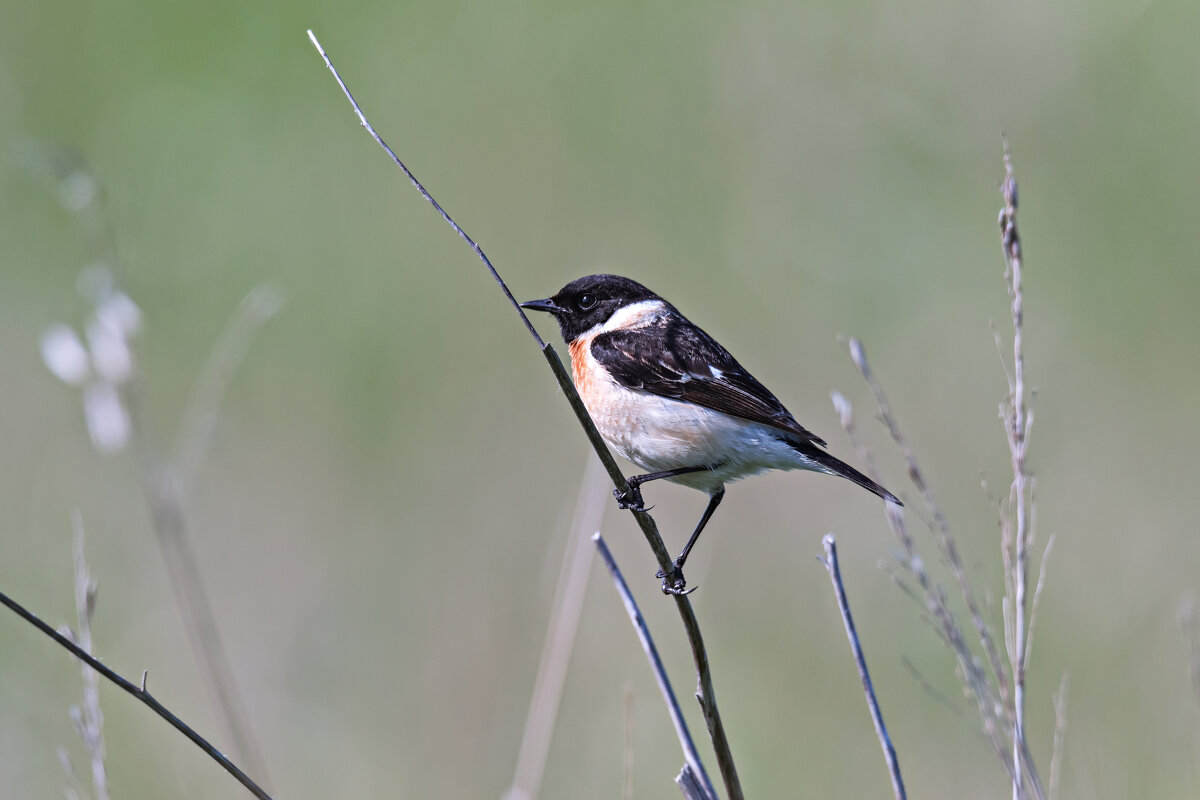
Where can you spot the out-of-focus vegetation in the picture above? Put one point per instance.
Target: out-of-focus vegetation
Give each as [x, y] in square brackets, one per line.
[382, 514]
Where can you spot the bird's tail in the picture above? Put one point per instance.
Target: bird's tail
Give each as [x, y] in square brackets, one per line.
[835, 466]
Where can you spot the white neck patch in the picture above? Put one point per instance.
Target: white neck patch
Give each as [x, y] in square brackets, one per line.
[635, 315]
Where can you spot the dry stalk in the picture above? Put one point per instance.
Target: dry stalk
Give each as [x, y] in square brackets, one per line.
[88, 718]
[114, 403]
[976, 686]
[560, 637]
[1018, 512]
[139, 692]
[860, 661]
[693, 774]
[999, 690]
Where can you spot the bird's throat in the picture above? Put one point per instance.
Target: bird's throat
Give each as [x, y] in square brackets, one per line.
[579, 370]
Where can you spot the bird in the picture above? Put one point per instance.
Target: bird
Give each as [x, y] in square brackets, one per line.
[669, 398]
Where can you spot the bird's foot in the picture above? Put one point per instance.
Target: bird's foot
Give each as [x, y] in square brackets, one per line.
[673, 582]
[631, 498]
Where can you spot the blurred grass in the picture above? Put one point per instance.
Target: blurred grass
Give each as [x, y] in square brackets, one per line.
[382, 513]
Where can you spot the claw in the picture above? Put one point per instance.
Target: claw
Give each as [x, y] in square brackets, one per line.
[631, 498]
[673, 582]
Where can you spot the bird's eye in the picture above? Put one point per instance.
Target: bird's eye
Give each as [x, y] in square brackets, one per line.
[586, 301]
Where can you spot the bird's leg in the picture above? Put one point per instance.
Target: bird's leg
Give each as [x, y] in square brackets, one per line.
[673, 581]
[632, 496]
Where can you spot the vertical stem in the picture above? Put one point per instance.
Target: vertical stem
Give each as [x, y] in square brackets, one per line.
[691, 756]
[1019, 494]
[885, 741]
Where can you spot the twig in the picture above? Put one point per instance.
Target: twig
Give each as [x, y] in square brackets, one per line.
[560, 637]
[258, 307]
[90, 724]
[885, 741]
[691, 788]
[1004, 717]
[163, 493]
[691, 757]
[1016, 423]
[138, 692]
[705, 692]
[163, 482]
[945, 539]
[166, 480]
[971, 672]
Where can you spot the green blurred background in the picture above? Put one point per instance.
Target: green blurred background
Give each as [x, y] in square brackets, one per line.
[386, 502]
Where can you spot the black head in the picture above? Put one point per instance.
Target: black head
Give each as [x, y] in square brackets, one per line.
[590, 301]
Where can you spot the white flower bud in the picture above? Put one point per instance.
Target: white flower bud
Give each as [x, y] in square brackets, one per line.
[64, 355]
[119, 313]
[111, 357]
[108, 422]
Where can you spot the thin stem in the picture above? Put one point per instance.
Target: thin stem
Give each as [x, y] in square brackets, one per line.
[885, 741]
[90, 723]
[163, 483]
[945, 538]
[1016, 426]
[162, 490]
[688, 784]
[971, 672]
[138, 692]
[258, 307]
[560, 638]
[660, 673]
[705, 694]
[362, 120]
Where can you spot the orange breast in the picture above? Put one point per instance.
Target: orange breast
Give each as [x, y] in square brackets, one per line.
[579, 370]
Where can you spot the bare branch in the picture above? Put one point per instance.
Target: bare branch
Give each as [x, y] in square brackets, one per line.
[258, 307]
[706, 693]
[163, 492]
[114, 403]
[691, 788]
[90, 724]
[166, 481]
[974, 679]
[885, 741]
[691, 757]
[139, 693]
[944, 538]
[1018, 530]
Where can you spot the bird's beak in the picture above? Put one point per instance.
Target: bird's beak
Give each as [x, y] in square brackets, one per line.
[547, 305]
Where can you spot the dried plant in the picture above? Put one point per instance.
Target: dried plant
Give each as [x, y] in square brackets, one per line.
[87, 716]
[860, 661]
[102, 363]
[993, 680]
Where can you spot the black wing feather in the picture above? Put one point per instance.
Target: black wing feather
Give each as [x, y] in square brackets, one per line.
[675, 359]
